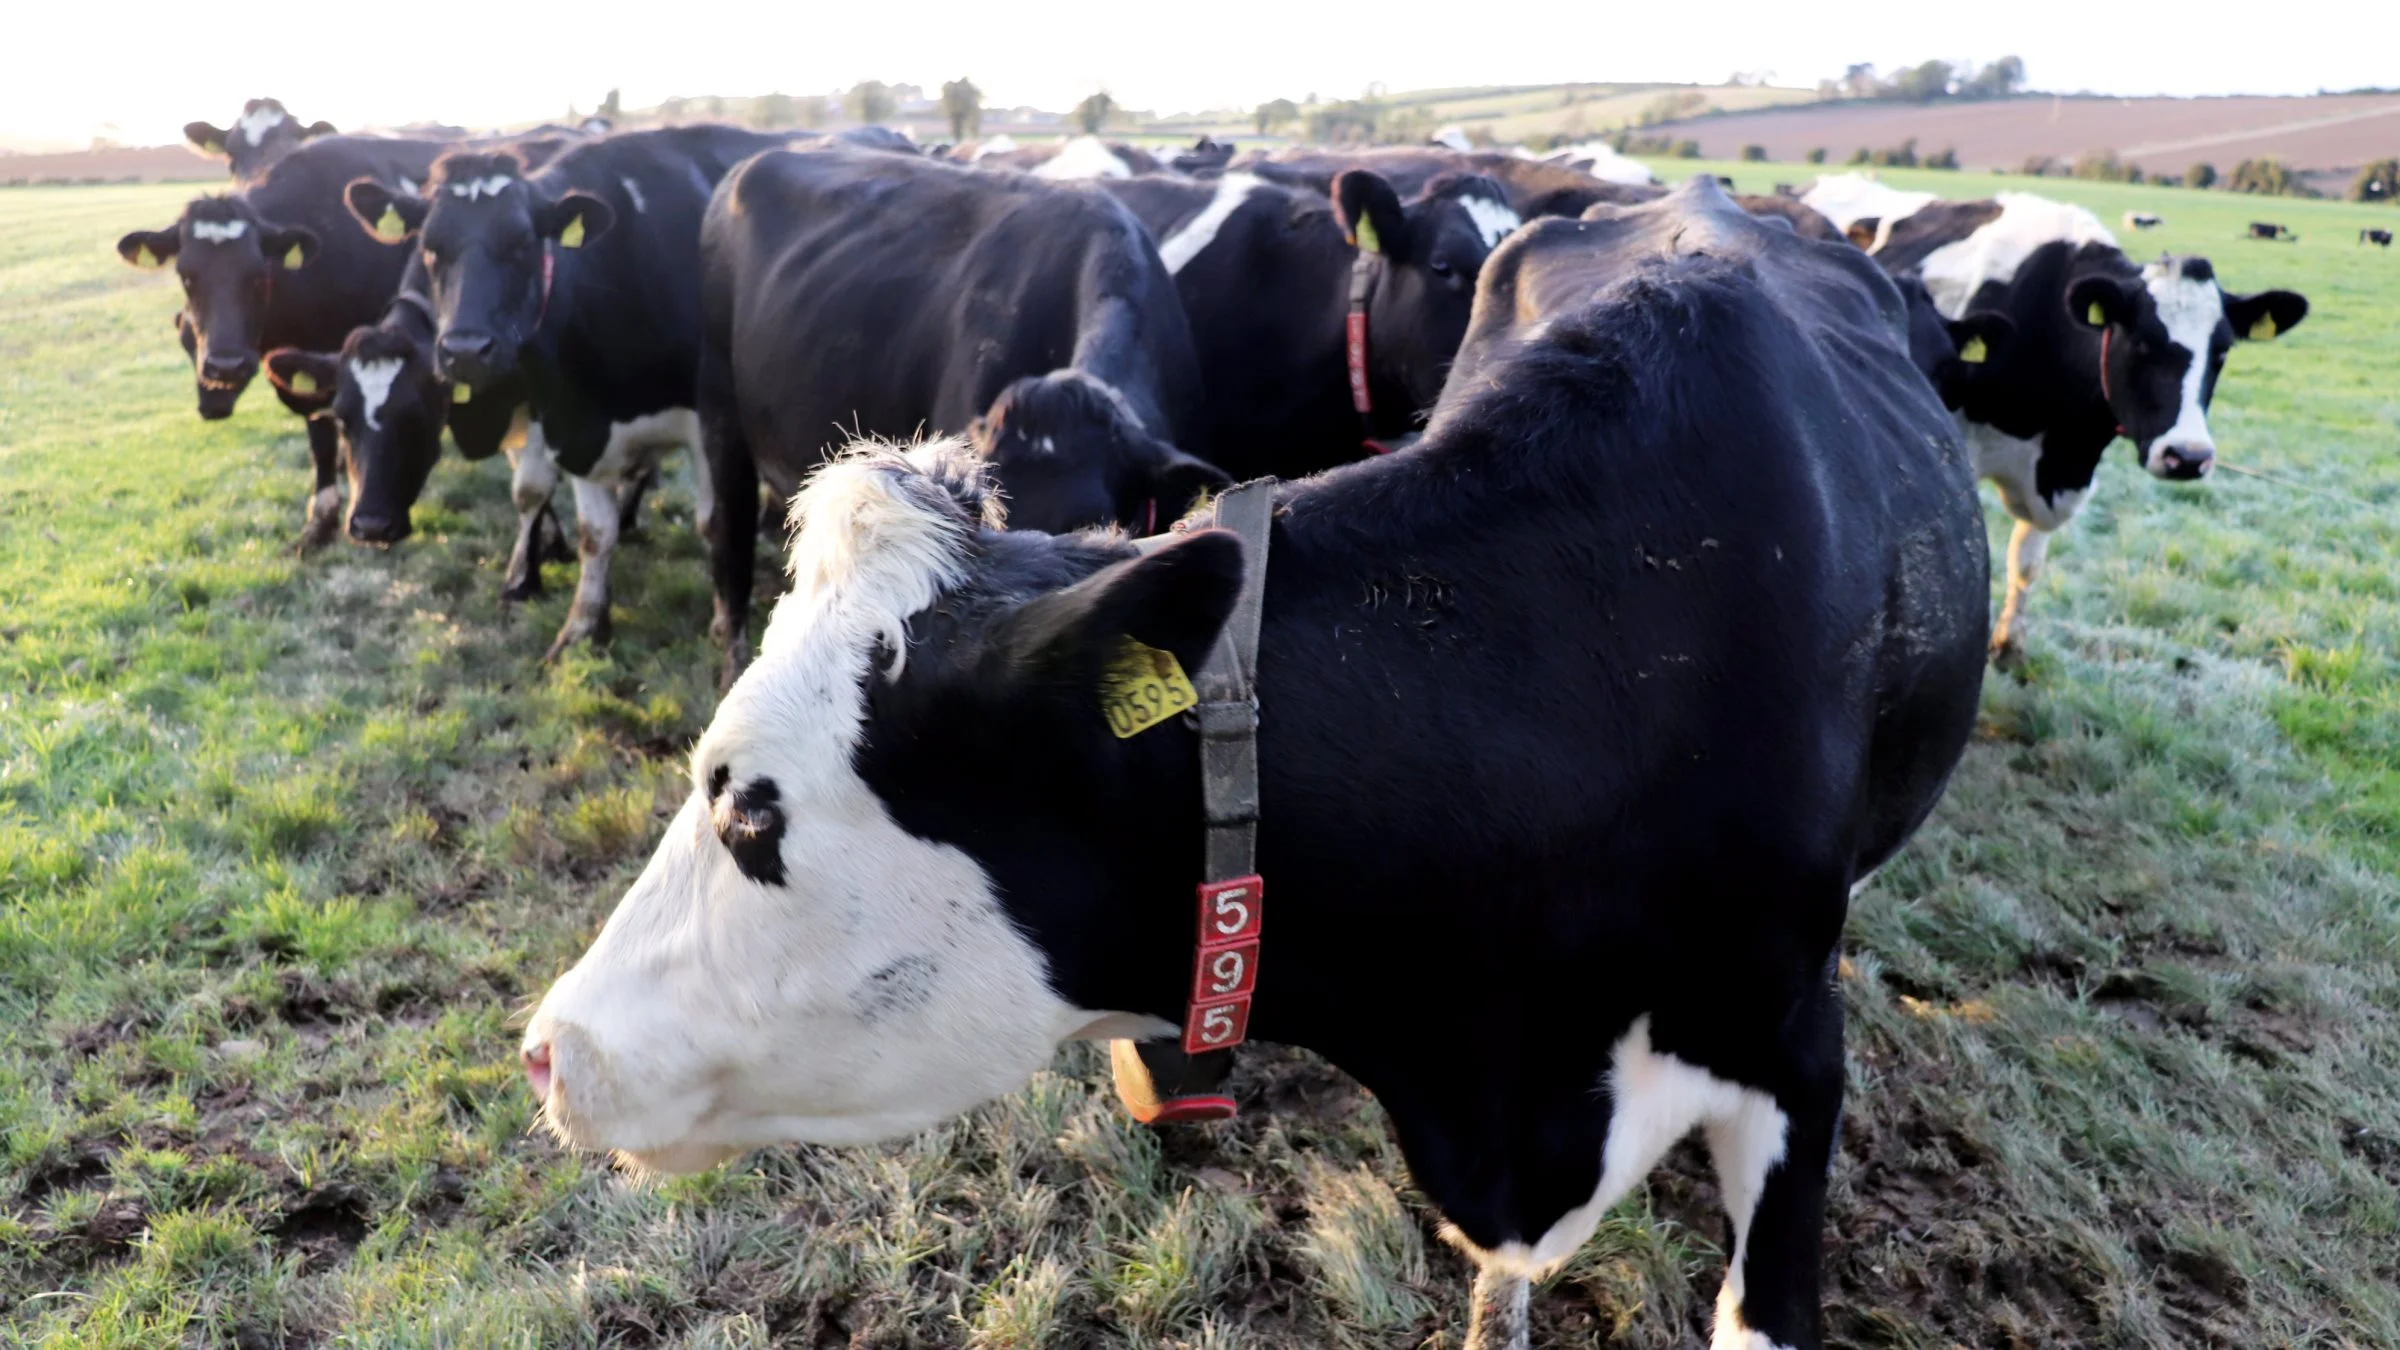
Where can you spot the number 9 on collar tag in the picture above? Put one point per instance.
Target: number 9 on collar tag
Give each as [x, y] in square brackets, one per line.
[1142, 687]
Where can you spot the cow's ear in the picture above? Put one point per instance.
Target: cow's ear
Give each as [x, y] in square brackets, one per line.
[1174, 598]
[2098, 301]
[1370, 212]
[1179, 480]
[304, 377]
[316, 129]
[206, 139]
[149, 248]
[389, 216]
[1981, 336]
[291, 247]
[2264, 315]
[573, 220]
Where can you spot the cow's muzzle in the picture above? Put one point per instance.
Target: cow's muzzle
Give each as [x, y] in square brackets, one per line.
[466, 357]
[2182, 462]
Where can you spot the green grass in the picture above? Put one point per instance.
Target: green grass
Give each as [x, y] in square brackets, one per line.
[285, 844]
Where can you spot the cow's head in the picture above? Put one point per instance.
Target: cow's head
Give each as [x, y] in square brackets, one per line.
[1431, 249]
[1067, 452]
[229, 260]
[2167, 333]
[486, 234]
[381, 390]
[914, 857]
[263, 134]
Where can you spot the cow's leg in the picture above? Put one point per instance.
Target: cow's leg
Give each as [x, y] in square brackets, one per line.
[532, 479]
[2026, 549]
[629, 500]
[595, 550]
[730, 524]
[1499, 1319]
[325, 499]
[1771, 1154]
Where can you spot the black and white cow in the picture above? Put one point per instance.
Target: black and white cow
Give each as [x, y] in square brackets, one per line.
[264, 133]
[2270, 230]
[583, 278]
[854, 293]
[2101, 347]
[381, 391]
[1578, 723]
[1265, 274]
[1535, 187]
[278, 264]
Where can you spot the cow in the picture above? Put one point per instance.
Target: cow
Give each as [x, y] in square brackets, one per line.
[1863, 209]
[1535, 187]
[278, 264]
[1603, 161]
[1207, 158]
[583, 276]
[1267, 275]
[2382, 238]
[1586, 713]
[2266, 229]
[845, 289]
[2101, 347]
[1074, 157]
[264, 133]
[2141, 220]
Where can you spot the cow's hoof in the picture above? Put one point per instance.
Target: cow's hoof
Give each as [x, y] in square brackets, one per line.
[577, 631]
[519, 589]
[316, 535]
[2008, 654]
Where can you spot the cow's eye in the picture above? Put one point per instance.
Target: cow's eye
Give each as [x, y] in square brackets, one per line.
[1440, 265]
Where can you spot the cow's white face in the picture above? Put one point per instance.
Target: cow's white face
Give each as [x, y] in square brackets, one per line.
[793, 965]
[2192, 311]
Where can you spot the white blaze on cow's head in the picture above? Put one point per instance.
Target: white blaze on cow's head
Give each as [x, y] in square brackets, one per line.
[796, 963]
[2167, 334]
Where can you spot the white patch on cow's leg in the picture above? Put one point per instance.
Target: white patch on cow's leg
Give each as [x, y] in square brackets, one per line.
[595, 552]
[2191, 311]
[1654, 1100]
[324, 516]
[704, 490]
[1497, 1317]
[2028, 545]
[533, 477]
[1196, 234]
[1494, 221]
[257, 122]
[1745, 1144]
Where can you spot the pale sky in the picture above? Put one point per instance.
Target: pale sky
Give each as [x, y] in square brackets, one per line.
[137, 70]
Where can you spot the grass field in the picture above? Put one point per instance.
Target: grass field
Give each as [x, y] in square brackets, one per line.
[285, 843]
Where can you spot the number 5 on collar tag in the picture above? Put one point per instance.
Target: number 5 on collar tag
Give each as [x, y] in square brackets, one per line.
[1142, 687]
[1224, 965]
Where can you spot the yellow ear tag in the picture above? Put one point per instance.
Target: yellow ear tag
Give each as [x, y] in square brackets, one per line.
[572, 236]
[2098, 319]
[461, 393]
[389, 227]
[143, 257]
[215, 147]
[1974, 352]
[303, 383]
[294, 259]
[1368, 240]
[2264, 328]
[1142, 687]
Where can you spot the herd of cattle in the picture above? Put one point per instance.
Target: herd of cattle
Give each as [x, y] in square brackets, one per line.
[1628, 609]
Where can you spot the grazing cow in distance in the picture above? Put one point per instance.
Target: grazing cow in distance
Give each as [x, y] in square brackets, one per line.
[2101, 347]
[1686, 581]
[2141, 220]
[278, 264]
[2265, 229]
[263, 134]
[2379, 237]
[583, 276]
[1267, 275]
[381, 393]
[846, 292]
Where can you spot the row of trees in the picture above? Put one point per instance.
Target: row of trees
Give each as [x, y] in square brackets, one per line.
[1928, 81]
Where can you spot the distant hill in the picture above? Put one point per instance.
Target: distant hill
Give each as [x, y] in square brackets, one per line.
[2329, 134]
[124, 164]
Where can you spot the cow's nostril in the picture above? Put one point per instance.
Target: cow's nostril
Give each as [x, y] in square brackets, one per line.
[537, 1070]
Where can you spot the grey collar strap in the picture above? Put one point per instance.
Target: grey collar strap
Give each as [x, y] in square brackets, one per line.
[1228, 689]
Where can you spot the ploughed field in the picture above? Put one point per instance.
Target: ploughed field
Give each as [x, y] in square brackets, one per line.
[285, 843]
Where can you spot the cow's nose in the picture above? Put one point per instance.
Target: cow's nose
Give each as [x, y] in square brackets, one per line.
[229, 369]
[2186, 461]
[371, 527]
[537, 1069]
[464, 354]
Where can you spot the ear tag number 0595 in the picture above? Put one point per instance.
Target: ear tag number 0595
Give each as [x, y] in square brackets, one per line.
[1143, 687]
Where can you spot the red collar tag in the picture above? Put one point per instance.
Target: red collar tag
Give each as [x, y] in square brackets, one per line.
[1357, 328]
[1225, 965]
[549, 269]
